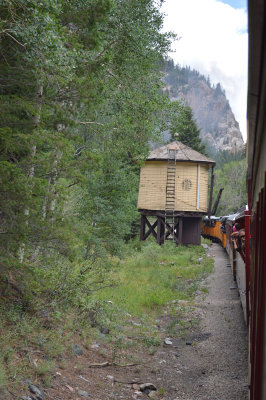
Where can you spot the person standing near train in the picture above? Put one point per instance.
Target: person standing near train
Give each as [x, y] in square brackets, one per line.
[238, 238]
[235, 236]
[236, 227]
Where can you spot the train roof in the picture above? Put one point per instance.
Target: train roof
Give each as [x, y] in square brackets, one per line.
[232, 217]
[256, 100]
[239, 214]
[213, 217]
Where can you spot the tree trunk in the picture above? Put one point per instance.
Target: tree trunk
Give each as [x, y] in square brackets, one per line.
[36, 121]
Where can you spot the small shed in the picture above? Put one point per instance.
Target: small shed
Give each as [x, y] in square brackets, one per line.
[173, 192]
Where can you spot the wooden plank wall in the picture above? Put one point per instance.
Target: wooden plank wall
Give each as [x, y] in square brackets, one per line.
[153, 186]
[191, 231]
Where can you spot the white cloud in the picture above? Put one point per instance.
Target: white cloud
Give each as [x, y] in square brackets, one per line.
[213, 41]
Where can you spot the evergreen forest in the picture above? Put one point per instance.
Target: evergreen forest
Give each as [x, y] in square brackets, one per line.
[80, 101]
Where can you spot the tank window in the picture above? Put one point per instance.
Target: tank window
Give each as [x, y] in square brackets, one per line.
[186, 184]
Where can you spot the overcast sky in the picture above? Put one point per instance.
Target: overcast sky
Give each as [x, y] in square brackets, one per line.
[213, 40]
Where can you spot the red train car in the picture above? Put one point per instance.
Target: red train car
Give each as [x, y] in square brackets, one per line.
[256, 174]
[238, 259]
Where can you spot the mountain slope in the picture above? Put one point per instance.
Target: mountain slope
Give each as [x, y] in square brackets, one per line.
[211, 109]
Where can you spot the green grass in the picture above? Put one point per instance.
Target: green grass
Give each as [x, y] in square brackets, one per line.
[27, 348]
[3, 376]
[206, 241]
[146, 280]
[149, 279]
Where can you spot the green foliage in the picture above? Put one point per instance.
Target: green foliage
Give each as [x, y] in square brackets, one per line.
[28, 347]
[149, 279]
[205, 241]
[144, 282]
[225, 157]
[80, 101]
[230, 174]
[183, 127]
[44, 370]
[232, 177]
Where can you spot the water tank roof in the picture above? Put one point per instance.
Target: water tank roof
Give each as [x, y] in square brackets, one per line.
[183, 153]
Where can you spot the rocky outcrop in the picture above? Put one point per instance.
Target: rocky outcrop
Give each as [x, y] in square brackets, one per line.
[210, 107]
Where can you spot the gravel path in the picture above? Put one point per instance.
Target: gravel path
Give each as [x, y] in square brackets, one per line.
[216, 368]
[226, 349]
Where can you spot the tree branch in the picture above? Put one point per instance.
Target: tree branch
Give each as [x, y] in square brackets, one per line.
[71, 184]
[111, 364]
[12, 37]
[89, 123]
[104, 50]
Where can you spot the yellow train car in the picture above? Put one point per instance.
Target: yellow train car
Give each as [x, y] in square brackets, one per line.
[212, 228]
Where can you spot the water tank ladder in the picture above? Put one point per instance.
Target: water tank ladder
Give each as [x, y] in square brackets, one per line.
[170, 196]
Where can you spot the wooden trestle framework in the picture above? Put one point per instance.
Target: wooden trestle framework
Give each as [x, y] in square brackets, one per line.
[185, 229]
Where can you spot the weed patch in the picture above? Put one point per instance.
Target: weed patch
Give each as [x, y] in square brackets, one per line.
[151, 278]
[121, 315]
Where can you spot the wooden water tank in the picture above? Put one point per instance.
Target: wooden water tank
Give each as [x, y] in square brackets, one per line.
[191, 180]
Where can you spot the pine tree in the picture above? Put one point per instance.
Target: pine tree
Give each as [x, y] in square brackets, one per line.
[183, 127]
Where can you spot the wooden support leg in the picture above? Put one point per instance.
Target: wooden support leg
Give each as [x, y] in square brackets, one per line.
[160, 231]
[180, 230]
[142, 227]
[176, 231]
[169, 231]
[151, 229]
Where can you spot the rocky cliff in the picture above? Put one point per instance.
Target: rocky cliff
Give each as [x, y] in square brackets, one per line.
[211, 109]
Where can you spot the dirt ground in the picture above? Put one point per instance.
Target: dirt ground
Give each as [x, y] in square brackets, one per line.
[208, 362]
